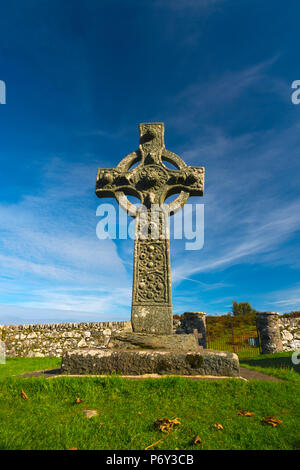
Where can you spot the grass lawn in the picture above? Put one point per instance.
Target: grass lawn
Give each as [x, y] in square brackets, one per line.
[21, 365]
[127, 409]
[279, 365]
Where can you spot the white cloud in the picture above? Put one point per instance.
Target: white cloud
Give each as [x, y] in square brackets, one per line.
[201, 100]
[15, 315]
[248, 217]
[285, 300]
[50, 256]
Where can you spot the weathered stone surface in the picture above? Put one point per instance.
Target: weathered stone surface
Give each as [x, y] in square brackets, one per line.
[269, 331]
[286, 335]
[290, 333]
[206, 362]
[152, 182]
[158, 342]
[194, 321]
[53, 339]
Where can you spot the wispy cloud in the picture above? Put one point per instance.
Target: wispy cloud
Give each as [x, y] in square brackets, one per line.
[16, 315]
[50, 256]
[284, 300]
[247, 216]
[202, 100]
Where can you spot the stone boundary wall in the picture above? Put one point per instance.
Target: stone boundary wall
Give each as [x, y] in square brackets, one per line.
[56, 338]
[290, 333]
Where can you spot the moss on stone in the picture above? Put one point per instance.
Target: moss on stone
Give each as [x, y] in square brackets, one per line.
[195, 361]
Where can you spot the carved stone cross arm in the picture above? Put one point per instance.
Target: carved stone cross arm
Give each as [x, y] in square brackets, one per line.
[151, 181]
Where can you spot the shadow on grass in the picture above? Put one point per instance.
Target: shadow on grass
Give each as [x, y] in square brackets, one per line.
[4, 446]
[275, 362]
[296, 446]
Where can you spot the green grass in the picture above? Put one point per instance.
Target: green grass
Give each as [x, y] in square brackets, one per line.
[279, 365]
[49, 418]
[243, 350]
[21, 365]
[229, 333]
[220, 327]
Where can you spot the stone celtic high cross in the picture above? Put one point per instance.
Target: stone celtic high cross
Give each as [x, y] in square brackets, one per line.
[152, 182]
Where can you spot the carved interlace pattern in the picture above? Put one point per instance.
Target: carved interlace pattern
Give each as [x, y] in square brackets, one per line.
[153, 177]
[152, 226]
[151, 137]
[151, 272]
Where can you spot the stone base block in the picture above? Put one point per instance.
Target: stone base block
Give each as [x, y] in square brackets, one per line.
[143, 341]
[137, 362]
[156, 319]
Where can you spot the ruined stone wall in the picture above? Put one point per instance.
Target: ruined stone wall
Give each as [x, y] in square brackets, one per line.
[193, 322]
[54, 339]
[290, 333]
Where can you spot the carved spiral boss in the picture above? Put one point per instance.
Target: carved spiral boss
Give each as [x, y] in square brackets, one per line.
[152, 182]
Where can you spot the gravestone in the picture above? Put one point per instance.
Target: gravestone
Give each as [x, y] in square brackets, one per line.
[151, 347]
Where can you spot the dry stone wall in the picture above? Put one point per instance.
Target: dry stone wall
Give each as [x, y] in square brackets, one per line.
[290, 333]
[54, 339]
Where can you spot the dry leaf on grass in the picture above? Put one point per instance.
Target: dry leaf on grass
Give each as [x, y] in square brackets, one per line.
[197, 440]
[146, 448]
[245, 413]
[272, 421]
[90, 413]
[218, 426]
[78, 400]
[73, 448]
[166, 425]
[23, 395]
[139, 412]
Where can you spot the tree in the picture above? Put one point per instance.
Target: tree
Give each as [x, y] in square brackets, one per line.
[242, 308]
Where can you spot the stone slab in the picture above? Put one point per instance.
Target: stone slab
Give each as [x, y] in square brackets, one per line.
[137, 362]
[245, 374]
[143, 341]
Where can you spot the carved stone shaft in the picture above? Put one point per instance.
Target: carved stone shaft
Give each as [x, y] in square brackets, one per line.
[152, 289]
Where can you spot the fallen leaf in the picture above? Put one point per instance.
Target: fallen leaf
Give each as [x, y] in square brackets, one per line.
[272, 421]
[218, 426]
[245, 413]
[197, 440]
[166, 425]
[146, 448]
[78, 400]
[23, 395]
[90, 413]
[73, 448]
[139, 412]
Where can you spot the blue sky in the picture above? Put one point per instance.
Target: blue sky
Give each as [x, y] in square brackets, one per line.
[79, 77]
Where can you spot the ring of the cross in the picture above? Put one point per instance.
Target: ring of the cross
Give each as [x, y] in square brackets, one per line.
[171, 207]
